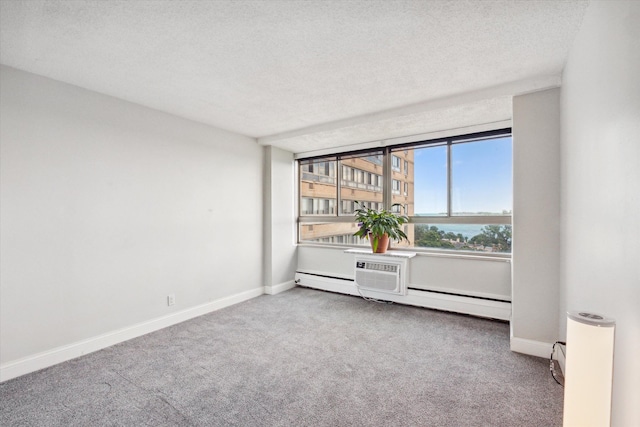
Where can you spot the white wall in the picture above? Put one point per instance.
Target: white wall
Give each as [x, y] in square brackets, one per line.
[601, 187]
[536, 222]
[107, 207]
[280, 251]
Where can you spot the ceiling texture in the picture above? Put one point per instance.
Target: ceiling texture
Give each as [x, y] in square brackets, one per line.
[301, 75]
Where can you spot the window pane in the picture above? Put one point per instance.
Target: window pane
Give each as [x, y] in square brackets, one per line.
[430, 176]
[362, 182]
[336, 233]
[481, 177]
[464, 237]
[318, 187]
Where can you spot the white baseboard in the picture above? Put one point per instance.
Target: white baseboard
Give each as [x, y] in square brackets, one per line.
[456, 303]
[530, 347]
[54, 356]
[459, 304]
[345, 286]
[281, 287]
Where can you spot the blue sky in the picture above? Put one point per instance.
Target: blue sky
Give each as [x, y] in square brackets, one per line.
[481, 175]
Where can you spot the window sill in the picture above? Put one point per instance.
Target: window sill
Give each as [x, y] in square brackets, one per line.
[423, 252]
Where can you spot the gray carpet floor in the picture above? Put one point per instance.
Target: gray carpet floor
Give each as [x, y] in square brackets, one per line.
[300, 358]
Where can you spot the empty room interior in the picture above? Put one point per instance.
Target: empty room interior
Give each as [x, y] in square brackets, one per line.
[179, 184]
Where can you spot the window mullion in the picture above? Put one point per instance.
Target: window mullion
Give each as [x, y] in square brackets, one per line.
[338, 185]
[449, 182]
[387, 179]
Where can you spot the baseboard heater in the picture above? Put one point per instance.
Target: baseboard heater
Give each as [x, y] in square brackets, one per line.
[461, 295]
[473, 305]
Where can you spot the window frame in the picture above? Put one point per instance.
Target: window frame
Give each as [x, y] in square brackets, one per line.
[387, 188]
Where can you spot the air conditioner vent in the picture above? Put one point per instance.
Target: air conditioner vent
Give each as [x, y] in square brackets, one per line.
[376, 266]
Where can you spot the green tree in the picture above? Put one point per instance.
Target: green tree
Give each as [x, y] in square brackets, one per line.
[431, 237]
[496, 236]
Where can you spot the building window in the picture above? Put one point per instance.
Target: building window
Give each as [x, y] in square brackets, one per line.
[396, 187]
[348, 206]
[321, 172]
[457, 192]
[347, 173]
[313, 206]
[395, 163]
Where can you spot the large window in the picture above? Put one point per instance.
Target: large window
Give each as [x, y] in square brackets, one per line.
[456, 191]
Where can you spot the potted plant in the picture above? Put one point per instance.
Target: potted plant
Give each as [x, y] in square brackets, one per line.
[379, 226]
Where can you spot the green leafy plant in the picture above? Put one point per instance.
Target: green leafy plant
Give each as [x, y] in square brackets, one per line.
[376, 223]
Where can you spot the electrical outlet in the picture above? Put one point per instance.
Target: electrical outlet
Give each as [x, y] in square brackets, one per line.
[171, 299]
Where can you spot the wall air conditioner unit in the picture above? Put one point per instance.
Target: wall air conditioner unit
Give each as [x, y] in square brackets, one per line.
[381, 275]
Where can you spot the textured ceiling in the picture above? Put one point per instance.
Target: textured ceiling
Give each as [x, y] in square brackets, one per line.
[300, 74]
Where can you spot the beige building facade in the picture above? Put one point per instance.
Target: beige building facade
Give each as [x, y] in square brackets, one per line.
[361, 180]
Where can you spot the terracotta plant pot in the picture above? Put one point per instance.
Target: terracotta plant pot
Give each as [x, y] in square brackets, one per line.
[383, 243]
